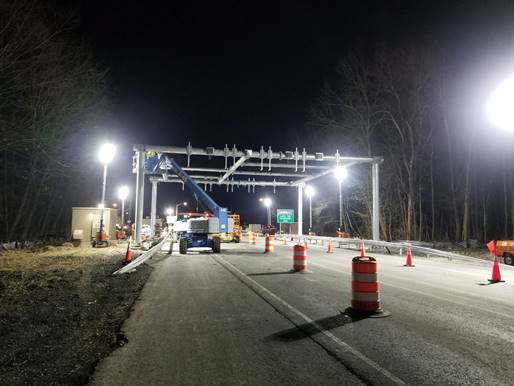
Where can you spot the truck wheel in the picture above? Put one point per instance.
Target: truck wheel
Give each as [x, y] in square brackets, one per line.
[508, 259]
[183, 246]
[237, 239]
[216, 244]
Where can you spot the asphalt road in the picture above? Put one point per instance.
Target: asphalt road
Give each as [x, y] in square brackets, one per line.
[241, 317]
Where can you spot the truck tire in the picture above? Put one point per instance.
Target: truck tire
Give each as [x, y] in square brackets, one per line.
[216, 244]
[508, 259]
[237, 239]
[183, 246]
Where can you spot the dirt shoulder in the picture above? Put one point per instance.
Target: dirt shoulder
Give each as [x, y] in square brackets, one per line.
[61, 311]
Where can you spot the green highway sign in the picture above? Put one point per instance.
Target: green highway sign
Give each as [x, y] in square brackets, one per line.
[285, 216]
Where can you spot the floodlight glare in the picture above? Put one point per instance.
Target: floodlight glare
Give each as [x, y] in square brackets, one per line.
[106, 153]
[341, 173]
[123, 192]
[169, 211]
[500, 107]
[267, 202]
[309, 191]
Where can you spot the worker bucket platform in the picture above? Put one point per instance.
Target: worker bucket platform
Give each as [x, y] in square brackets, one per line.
[365, 300]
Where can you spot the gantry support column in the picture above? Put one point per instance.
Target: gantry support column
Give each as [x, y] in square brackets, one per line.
[300, 209]
[375, 223]
[153, 212]
[140, 194]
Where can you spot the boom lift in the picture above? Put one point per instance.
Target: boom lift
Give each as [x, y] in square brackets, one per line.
[201, 232]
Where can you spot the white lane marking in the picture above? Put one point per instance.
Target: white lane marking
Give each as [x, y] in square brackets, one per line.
[308, 320]
[422, 293]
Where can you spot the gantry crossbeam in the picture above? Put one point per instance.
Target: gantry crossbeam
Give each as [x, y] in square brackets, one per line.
[238, 162]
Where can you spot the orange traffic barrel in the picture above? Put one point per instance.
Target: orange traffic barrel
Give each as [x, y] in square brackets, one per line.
[251, 238]
[299, 258]
[365, 290]
[269, 244]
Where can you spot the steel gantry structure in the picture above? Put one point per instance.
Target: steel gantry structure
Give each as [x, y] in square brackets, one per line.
[247, 168]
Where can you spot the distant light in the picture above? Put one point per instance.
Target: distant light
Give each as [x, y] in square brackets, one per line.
[184, 203]
[309, 191]
[100, 206]
[114, 205]
[267, 202]
[500, 107]
[169, 211]
[106, 153]
[261, 199]
[123, 192]
[341, 173]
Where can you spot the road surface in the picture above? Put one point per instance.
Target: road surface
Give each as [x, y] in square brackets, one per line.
[241, 317]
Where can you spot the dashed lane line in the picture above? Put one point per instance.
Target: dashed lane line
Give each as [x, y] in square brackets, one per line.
[356, 362]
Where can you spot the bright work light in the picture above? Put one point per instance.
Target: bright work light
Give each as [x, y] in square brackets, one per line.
[309, 191]
[341, 173]
[106, 153]
[123, 192]
[500, 107]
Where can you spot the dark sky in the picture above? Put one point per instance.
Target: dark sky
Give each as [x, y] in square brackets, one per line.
[247, 72]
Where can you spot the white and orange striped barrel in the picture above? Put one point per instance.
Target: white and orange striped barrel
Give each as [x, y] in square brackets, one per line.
[299, 257]
[269, 245]
[365, 293]
[251, 238]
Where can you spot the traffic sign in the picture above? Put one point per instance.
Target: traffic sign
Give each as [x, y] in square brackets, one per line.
[285, 216]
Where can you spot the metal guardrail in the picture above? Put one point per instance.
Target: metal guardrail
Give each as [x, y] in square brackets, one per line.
[356, 244]
[143, 257]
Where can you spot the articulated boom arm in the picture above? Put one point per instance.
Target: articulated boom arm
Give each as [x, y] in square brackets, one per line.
[207, 202]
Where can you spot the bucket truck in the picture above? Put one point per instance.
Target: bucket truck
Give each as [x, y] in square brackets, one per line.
[203, 232]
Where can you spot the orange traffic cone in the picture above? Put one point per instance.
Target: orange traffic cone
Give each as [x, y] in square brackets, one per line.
[363, 250]
[128, 255]
[285, 241]
[408, 262]
[496, 277]
[330, 248]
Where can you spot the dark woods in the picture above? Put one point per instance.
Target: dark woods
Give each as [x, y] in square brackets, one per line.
[51, 93]
[447, 174]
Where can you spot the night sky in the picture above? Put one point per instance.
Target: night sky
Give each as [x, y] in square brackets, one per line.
[247, 73]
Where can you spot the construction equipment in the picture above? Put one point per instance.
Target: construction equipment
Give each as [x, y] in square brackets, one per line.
[234, 223]
[505, 249]
[200, 232]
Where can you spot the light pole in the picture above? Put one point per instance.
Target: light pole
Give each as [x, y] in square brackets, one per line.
[105, 155]
[340, 173]
[177, 206]
[309, 192]
[267, 203]
[123, 192]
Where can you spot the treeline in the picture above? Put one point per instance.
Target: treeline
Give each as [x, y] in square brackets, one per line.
[51, 92]
[447, 173]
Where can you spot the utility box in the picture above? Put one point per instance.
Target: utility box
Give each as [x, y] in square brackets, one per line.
[85, 222]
